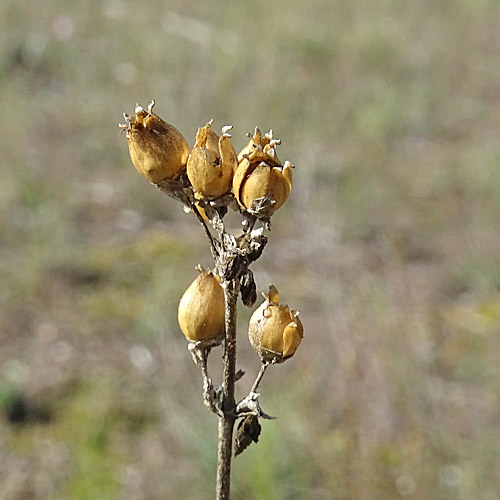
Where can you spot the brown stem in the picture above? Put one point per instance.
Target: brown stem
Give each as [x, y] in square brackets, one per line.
[177, 190]
[259, 377]
[226, 422]
[209, 393]
[215, 251]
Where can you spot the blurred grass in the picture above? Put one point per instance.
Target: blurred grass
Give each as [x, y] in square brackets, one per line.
[389, 247]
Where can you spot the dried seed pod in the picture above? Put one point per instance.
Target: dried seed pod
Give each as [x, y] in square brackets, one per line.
[157, 149]
[248, 431]
[212, 162]
[274, 331]
[201, 308]
[260, 173]
[248, 290]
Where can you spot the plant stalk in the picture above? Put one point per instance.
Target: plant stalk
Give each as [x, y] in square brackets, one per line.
[226, 422]
[263, 369]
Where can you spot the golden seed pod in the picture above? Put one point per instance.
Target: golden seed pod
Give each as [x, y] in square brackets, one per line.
[260, 173]
[274, 331]
[212, 161]
[259, 143]
[157, 149]
[201, 308]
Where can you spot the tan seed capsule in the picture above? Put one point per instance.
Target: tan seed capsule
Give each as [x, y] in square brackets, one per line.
[157, 149]
[260, 173]
[201, 308]
[274, 331]
[212, 162]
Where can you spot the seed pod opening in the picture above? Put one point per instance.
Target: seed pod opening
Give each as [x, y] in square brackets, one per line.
[274, 331]
[201, 308]
[157, 149]
[212, 162]
[260, 173]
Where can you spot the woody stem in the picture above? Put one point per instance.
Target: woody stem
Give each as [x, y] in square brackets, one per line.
[226, 421]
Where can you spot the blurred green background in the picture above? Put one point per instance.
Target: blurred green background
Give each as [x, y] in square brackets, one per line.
[389, 247]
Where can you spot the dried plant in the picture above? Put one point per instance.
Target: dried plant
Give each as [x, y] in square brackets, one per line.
[209, 180]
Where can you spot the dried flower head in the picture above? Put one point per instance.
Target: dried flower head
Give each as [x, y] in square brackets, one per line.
[157, 149]
[201, 308]
[260, 174]
[212, 162]
[274, 331]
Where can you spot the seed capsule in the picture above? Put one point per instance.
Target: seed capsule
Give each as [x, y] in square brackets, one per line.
[260, 173]
[201, 308]
[157, 149]
[274, 331]
[212, 162]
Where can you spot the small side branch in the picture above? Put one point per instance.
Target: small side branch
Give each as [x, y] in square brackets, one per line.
[181, 190]
[199, 352]
[215, 251]
[209, 393]
[263, 369]
[250, 405]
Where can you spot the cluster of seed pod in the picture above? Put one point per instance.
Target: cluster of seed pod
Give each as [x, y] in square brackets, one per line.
[257, 179]
[159, 152]
[274, 331]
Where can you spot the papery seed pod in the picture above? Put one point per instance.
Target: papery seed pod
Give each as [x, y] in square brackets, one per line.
[201, 308]
[248, 431]
[260, 173]
[248, 289]
[258, 144]
[157, 149]
[212, 162]
[274, 331]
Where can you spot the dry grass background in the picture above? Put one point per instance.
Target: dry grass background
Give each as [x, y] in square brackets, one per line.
[389, 246]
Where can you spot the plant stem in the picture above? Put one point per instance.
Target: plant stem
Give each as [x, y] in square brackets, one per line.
[215, 251]
[263, 369]
[226, 422]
